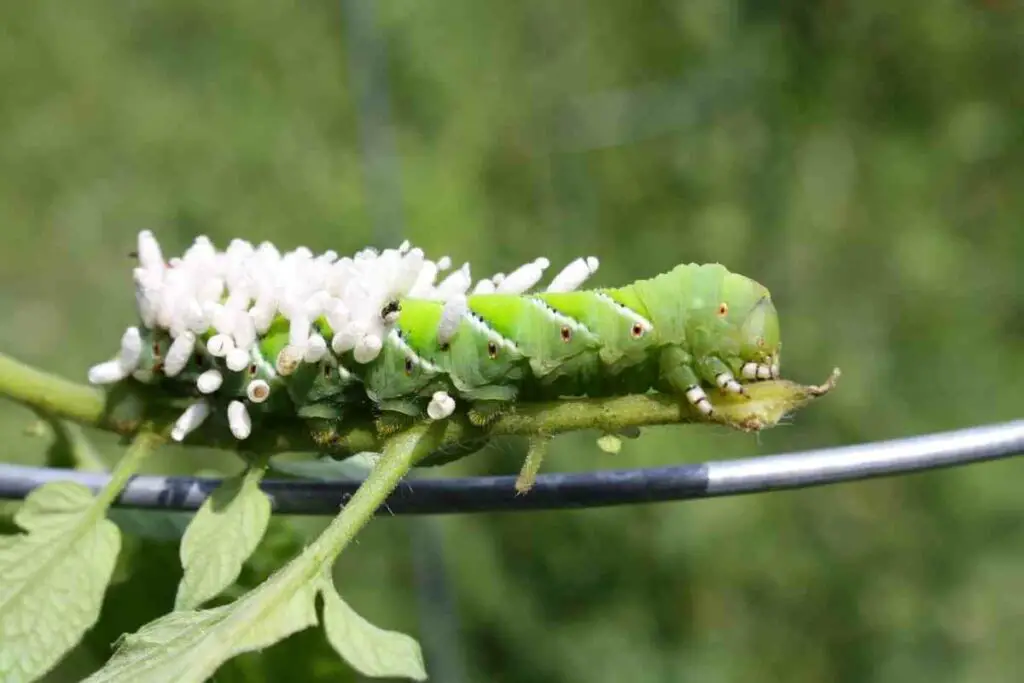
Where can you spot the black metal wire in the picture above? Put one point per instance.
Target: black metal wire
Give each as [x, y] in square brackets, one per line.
[578, 490]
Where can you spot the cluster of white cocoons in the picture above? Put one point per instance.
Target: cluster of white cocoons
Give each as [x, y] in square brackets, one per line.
[236, 294]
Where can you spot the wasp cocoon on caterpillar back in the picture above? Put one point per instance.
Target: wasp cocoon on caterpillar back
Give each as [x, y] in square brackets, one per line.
[251, 332]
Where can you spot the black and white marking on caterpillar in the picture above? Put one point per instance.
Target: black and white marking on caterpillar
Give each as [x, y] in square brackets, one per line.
[395, 337]
[635, 319]
[564, 321]
[478, 323]
[451, 316]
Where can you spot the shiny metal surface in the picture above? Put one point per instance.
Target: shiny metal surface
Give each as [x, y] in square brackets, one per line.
[578, 490]
[831, 465]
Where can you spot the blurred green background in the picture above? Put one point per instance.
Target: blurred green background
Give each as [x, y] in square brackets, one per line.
[864, 160]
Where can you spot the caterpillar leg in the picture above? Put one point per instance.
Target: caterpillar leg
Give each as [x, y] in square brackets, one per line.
[483, 413]
[389, 423]
[759, 371]
[489, 403]
[713, 369]
[676, 370]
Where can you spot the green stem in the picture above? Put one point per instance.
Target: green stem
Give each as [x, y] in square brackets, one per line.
[50, 394]
[144, 444]
[401, 453]
[765, 404]
[147, 441]
[257, 465]
[125, 406]
[531, 466]
[71, 448]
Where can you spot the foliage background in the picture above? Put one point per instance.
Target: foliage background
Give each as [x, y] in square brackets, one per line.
[864, 160]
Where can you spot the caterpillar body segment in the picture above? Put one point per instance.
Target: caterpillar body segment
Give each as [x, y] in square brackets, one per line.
[625, 333]
[398, 376]
[480, 361]
[545, 337]
[620, 362]
[321, 388]
[312, 389]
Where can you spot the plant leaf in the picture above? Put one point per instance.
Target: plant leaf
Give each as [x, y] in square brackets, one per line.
[155, 525]
[353, 468]
[189, 646]
[370, 650]
[223, 534]
[71, 447]
[53, 578]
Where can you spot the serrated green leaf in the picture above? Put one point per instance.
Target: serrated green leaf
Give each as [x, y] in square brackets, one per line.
[154, 525]
[71, 447]
[189, 646]
[53, 577]
[223, 534]
[370, 650]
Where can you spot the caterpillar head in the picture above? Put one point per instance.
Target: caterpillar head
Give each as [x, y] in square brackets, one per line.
[749, 324]
[759, 332]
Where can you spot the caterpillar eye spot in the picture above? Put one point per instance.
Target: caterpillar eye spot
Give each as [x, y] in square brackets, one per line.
[408, 366]
[445, 346]
[723, 309]
[252, 369]
[566, 334]
[492, 349]
[637, 331]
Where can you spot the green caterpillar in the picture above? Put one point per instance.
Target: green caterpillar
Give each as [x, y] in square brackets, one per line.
[694, 327]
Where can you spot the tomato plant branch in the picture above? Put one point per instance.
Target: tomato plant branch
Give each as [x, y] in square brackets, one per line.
[125, 406]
